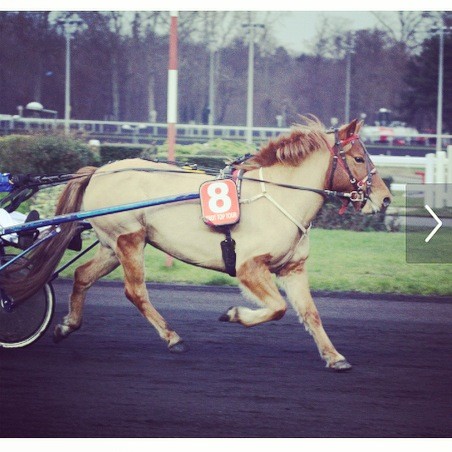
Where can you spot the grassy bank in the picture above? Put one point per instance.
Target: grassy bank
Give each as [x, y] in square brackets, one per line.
[371, 262]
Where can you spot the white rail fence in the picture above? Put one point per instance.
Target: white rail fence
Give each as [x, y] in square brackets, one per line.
[437, 169]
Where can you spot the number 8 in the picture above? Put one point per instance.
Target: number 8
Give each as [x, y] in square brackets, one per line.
[219, 201]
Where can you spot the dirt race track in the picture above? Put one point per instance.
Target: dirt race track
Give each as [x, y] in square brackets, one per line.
[115, 377]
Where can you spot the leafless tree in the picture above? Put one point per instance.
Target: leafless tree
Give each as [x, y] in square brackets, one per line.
[407, 27]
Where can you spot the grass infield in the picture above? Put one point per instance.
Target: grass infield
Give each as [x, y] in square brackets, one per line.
[372, 262]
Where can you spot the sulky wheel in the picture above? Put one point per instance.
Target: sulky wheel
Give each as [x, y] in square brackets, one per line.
[23, 322]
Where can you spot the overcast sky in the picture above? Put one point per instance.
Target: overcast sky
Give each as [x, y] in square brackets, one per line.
[295, 29]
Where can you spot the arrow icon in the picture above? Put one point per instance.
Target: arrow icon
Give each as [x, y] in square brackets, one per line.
[435, 229]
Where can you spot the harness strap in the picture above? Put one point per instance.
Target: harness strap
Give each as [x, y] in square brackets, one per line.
[264, 194]
[238, 177]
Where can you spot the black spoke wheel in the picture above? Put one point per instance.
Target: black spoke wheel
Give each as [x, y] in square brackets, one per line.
[24, 322]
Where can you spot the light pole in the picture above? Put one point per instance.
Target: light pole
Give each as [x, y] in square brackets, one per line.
[70, 25]
[439, 107]
[348, 74]
[212, 47]
[211, 86]
[250, 96]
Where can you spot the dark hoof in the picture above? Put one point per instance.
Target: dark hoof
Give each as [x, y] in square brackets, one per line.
[225, 317]
[58, 336]
[62, 332]
[178, 347]
[341, 366]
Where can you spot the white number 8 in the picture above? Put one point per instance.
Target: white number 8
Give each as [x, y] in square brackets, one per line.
[219, 201]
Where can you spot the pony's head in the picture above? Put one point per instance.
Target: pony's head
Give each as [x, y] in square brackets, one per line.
[352, 171]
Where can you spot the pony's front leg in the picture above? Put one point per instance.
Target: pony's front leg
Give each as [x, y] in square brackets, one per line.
[295, 281]
[256, 279]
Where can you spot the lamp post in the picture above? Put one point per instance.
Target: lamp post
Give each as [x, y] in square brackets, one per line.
[348, 74]
[211, 87]
[212, 46]
[250, 90]
[70, 25]
[439, 107]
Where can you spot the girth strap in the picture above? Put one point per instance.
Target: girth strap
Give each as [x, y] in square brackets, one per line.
[265, 194]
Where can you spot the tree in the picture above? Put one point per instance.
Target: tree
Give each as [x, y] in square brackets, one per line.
[29, 55]
[420, 96]
[407, 27]
[95, 72]
[377, 78]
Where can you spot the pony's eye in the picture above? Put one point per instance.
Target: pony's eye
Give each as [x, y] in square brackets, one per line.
[359, 160]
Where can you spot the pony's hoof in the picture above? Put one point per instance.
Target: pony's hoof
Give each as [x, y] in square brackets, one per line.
[226, 317]
[341, 366]
[178, 347]
[58, 334]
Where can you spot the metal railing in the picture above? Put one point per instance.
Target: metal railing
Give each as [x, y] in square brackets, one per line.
[136, 132]
[146, 133]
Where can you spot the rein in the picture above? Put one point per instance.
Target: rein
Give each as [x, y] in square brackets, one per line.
[339, 155]
[353, 196]
[28, 181]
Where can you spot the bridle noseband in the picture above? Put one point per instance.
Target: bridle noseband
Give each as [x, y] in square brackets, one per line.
[362, 188]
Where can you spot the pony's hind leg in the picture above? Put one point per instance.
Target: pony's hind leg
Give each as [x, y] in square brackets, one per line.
[130, 251]
[85, 276]
[257, 279]
[295, 281]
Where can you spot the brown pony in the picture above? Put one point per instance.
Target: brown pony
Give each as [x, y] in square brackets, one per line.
[282, 191]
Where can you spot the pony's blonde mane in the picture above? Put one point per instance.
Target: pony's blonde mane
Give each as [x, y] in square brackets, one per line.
[290, 150]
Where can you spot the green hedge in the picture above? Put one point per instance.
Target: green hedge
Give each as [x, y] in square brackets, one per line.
[210, 154]
[329, 218]
[44, 154]
[56, 154]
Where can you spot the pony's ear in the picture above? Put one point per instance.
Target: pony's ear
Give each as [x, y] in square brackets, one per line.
[348, 130]
[359, 126]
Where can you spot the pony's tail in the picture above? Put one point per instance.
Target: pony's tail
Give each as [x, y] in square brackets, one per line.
[42, 261]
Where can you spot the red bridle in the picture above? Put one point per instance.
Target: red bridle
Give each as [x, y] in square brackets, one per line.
[362, 187]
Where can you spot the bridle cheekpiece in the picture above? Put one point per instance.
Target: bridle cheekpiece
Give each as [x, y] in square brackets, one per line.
[362, 188]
